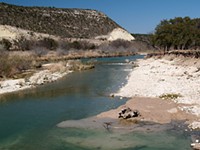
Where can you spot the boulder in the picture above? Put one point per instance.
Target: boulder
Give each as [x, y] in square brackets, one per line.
[127, 113]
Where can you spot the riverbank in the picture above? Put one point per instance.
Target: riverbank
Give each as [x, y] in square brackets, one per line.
[47, 73]
[174, 78]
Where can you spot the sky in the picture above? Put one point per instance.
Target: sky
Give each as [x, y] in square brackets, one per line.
[136, 16]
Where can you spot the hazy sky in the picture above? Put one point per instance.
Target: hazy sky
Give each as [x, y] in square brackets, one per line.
[137, 16]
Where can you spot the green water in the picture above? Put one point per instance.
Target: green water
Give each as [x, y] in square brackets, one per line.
[28, 119]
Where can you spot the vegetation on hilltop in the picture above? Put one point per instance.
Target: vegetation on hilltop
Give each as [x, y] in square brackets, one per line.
[178, 33]
[71, 23]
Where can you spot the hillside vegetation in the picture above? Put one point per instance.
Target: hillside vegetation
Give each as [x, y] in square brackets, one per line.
[70, 23]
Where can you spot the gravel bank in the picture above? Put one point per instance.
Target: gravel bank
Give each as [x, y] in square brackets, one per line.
[157, 77]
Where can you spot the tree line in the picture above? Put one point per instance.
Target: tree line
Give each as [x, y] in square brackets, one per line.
[178, 33]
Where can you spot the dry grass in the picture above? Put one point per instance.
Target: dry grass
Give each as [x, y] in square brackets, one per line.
[75, 65]
[12, 65]
[170, 96]
[57, 67]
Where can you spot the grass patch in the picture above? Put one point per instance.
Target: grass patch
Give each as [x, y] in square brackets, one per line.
[170, 96]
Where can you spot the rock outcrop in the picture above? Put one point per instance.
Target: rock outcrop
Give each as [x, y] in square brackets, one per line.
[119, 33]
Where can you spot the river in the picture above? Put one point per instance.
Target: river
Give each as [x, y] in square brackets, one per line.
[28, 118]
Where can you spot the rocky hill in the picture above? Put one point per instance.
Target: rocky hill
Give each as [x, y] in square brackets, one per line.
[76, 23]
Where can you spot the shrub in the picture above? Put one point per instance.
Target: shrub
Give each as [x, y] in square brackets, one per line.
[1, 48]
[78, 45]
[58, 67]
[61, 52]
[6, 44]
[24, 44]
[120, 43]
[13, 65]
[75, 45]
[48, 43]
[117, 46]
[85, 45]
[75, 65]
[64, 45]
[170, 96]
[40, 51]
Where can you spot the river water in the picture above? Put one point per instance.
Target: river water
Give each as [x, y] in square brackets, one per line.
[28, 118]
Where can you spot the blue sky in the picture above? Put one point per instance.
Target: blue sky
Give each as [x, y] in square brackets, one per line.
[137, 16]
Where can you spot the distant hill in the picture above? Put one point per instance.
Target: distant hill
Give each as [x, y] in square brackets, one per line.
[69, 23]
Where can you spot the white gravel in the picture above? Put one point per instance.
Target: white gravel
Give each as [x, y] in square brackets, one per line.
[154, 78]
[39, 78]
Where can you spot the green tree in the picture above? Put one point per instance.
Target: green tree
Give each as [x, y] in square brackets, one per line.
[177, 33]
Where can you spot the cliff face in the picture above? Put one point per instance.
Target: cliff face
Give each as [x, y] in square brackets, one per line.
[76, 23]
